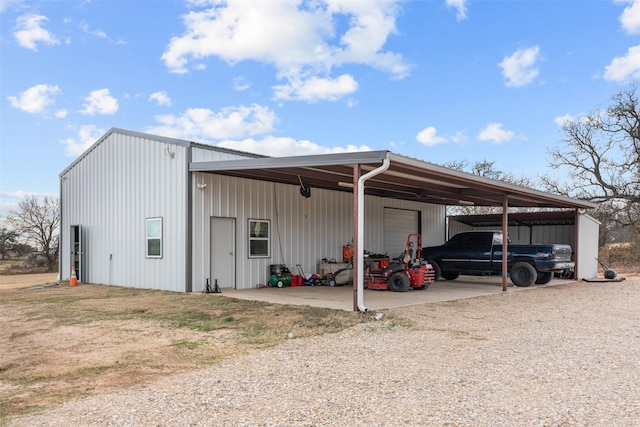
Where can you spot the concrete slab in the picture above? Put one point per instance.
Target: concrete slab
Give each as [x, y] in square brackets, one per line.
[341, 297]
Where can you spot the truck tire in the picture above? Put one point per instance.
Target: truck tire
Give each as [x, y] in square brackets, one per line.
[399, 282]
[544, 278]
[436, 269]
[450, 275]
[523, 274]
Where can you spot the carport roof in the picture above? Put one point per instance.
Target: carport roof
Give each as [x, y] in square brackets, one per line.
[564, 217]
[406, 179]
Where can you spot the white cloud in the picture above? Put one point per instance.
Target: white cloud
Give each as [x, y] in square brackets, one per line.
[315, 88]
[14, 197]
[161, 98]
[460, 6]
[86, 136]
[100, 102]
[204, 124]
[35, 99]
[98, 33]
[519, 68]
[624, 67]
[308, 46]
[22, 194]
[61, 114]
[630, 18]
[429, 138]
[29, 32]
[494, 133]
[561, 120]
[282, 147]
[459, 137]
[240, 84]
[6, 4]
[581, 117]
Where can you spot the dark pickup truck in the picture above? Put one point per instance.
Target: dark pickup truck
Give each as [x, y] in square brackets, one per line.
[480, 253]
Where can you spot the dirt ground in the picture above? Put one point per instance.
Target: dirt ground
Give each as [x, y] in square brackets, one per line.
[60, 342]
[19, 281]
[84, 356]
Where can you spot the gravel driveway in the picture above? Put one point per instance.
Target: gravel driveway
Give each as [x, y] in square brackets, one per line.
[566, 355]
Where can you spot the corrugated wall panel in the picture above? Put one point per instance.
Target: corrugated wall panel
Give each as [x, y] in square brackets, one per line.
[304, 231]
[456, 227]
[554, 234]
[397, 225]
[524, 235]
[588, 230]
[110, 192]
[204, 154]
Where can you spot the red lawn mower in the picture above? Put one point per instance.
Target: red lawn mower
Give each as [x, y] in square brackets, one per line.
[403, 273]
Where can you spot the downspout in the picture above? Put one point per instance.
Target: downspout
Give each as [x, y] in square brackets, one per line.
[360, 234]
[188, 261]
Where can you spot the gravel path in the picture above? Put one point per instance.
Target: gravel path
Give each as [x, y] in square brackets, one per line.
[566, 355]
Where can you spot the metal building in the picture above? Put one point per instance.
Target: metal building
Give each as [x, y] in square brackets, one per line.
[133, 214]
[146, 211]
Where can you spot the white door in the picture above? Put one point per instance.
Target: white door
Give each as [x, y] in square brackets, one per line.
[398, 224]
[223, 252]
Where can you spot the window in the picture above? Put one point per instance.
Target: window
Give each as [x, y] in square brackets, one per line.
[259, 243]
[154, 237]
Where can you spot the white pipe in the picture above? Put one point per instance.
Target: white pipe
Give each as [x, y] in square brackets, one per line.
[360, 243]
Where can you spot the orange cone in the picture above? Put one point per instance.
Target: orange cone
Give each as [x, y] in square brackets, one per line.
[74, 279]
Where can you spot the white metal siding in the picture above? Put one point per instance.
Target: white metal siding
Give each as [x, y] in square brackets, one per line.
[304, 231]
[203, 154]
[456, 227]
[524, 235]
[554, 234]
[398, 224]
[588, 230]
[110, 192]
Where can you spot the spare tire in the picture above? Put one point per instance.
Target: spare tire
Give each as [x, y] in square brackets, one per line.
[523, 274]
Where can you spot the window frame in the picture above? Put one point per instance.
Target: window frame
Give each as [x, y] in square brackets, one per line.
[148, 238]
[250, 238]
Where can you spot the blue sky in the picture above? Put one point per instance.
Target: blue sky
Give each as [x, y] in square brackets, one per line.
[437, 80]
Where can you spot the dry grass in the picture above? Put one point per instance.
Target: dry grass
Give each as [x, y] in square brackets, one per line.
[624, 258]
[61, 342]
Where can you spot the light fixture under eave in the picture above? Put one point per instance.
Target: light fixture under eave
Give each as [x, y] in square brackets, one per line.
[345, 184]
[465, 203]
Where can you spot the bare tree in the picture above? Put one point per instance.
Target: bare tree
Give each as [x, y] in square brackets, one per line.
[38, 220]
[484, 169]
[601, 154]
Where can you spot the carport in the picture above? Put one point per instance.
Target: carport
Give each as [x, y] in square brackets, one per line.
[385, 174]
